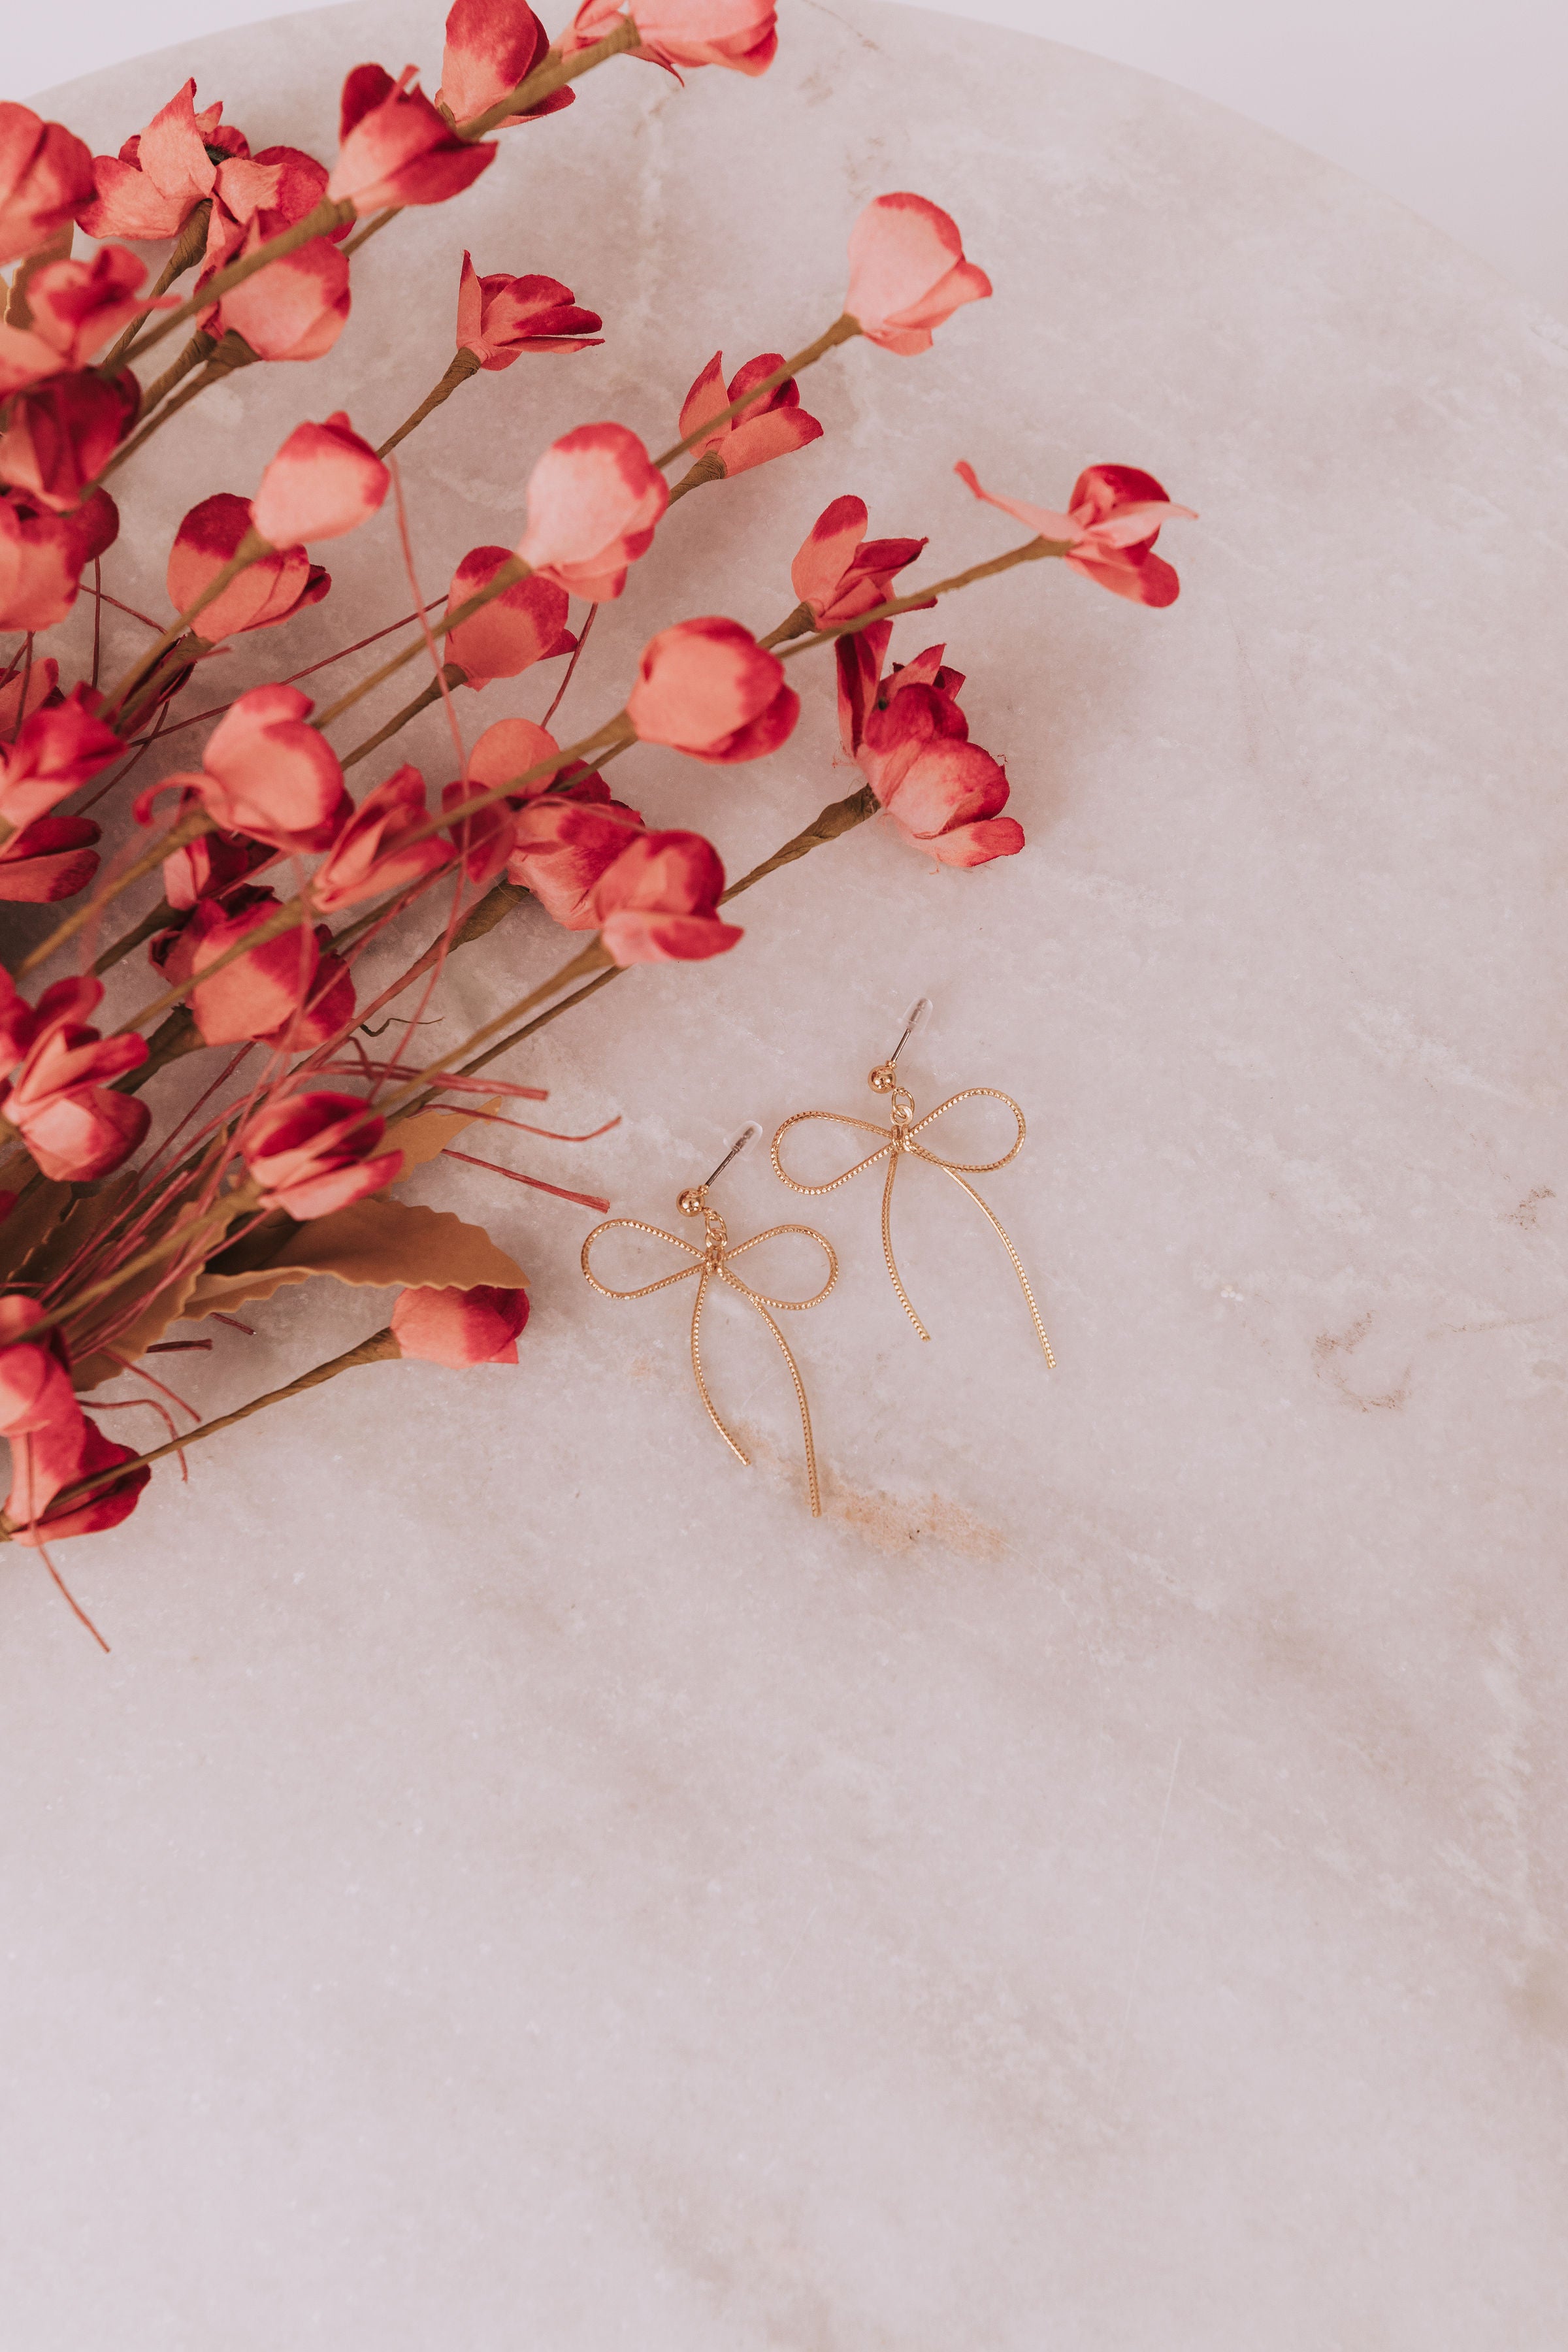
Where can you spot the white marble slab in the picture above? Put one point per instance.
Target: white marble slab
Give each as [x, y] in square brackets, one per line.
[518, 1881]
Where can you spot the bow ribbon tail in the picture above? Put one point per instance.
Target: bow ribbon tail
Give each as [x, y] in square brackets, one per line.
[888, 1243]
[712, 1410]
[748, 1293]
[996, 1223]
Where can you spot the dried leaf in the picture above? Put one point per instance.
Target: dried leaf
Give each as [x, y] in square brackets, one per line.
[168, 1306]
[428, 1132]
[377, 1242]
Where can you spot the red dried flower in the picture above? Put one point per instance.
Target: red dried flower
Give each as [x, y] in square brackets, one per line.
[839, 573]
[1111, 523]
[499, 318]
[739, 33]
[459, 1327]
[769, 426]
[295, 308]
[525, 624]
[76, 308]
[265, 774]
[323, 481]
[62, 433]
[46, 176]
[371, 854]
[53, 753]
[656, 904]
[593, 501]
[161, 173]
[316, 1153]
[908, 273]
[74, 1124]
[263, 594]
[395, 149]
[70, 1447]
[43, 556]
[491, 46]
[708, 689]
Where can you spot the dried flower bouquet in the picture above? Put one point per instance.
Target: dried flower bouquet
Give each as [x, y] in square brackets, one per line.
[120, 1218]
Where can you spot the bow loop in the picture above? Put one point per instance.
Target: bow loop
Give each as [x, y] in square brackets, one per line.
[968, 1166]
[637, 1225]
[762, 1297]
[837, 1119]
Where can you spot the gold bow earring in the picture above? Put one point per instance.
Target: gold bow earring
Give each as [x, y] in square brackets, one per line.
[714, 1263]
[898, 1143]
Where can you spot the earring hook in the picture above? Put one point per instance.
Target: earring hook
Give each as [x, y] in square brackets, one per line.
[691, 1202]
[884, 1077]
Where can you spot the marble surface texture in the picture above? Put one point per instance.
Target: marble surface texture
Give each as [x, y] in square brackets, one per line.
[518, 1881]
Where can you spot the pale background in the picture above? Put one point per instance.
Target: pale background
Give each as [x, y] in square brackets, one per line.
[1455, 108]
[519, 1884]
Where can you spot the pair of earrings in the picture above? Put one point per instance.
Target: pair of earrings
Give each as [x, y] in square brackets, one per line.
[714, 1261]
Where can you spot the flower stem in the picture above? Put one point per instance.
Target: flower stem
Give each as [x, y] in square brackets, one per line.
[509, 575]
[464, 364]
[189, 247]
[554, 74]
[251, 550]
[222, 358]
[376, 1349]
[1031, 551]
[453, 673]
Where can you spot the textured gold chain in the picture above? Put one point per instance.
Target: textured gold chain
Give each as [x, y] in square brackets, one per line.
[713, 1261]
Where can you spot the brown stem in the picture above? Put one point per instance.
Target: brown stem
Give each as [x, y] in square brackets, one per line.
[232, 352]
[201, 347]
[189, 247]
[1032, 552]
[454, 675]
[842, 330]
[802, 619]
[376, 1349]
[161, 916]
[190, 827]
[251, 550]
[464, 364]
[709, 468]
[588, 959]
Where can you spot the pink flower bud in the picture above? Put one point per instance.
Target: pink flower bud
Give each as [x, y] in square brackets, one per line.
[499, 318]
[739, 33]
[370, 856]
[161, 174]
[459, 1327]
[34, 1375]
[492, 46]
[562, 848]
[315, 1153]
[257, 993]
[265, 774]
[708, 689]
[52, 754]
[509, 749]
[839, 573]
[46, 176]
[256, 197]
[43, 556]
[323, 481]
[62, 433]
[525, 624]
[260, 598]
[907, 272]
[594, 500]
[51, 858]
[395, 149]
[769, 426]
[1111, 523]
[295, 308]
[77, 306]
[76, 1127]
[70, 1447]
[657, 903]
